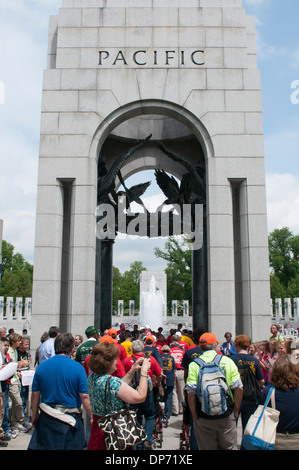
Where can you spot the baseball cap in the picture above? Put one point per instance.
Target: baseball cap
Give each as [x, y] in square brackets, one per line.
[150, 338]
[208, 338]
[112, 332]
[91, 330]
[107, 339]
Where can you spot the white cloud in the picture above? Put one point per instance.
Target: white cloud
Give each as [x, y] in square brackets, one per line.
[283, 201]
[128, 250]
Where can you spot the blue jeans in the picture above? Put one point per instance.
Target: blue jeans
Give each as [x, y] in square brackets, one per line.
[148, 410]
[24, 396]
[168, 401]
[247, 408]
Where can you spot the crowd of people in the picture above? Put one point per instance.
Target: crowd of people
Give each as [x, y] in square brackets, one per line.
[77, 381]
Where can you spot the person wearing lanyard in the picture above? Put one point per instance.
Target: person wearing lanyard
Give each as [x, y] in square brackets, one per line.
[228, 346]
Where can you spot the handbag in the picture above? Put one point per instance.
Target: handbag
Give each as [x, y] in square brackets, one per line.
[260, 431]
[121, 429]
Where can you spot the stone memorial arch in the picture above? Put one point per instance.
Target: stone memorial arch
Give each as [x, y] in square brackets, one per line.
[176, 80]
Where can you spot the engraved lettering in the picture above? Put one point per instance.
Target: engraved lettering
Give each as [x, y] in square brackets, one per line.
[193, 57]
[167, 56]
[135, 59]
[120, 56]
[105, 57]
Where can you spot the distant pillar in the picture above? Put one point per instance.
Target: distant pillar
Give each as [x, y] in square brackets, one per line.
[132, 307]
[287, 307]
[278, 310]
[296, 309]
[120, 308]
[185, 308]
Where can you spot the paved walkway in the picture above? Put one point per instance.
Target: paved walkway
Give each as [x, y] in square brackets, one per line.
[171, 437]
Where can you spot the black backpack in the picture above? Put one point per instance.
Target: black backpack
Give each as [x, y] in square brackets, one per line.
[251, 389]
[136, 379]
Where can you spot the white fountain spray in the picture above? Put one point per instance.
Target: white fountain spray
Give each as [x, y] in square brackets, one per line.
[152, 307]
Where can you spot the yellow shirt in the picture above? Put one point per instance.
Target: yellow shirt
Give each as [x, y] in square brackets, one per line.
[128, 347]
[187, 340]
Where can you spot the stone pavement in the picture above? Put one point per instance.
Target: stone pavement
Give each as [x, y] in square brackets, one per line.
[171, 437]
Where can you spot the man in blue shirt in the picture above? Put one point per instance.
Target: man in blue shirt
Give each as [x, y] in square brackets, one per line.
[46, 350]
[228, 346]
[59, 389]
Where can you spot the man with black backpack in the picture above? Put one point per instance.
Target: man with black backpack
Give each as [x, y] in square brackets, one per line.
[215, 393]
[251, 376]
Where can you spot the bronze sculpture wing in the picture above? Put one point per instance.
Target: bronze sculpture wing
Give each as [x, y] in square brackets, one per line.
[194, 174]
[168, 185]
[106, 183]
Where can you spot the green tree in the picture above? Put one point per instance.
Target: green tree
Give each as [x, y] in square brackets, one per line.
[284, 255]
[126, 287]
[293, 287]
[18, 273]
[7, 255]
[278, 291]
[179, 278]
[116, 287]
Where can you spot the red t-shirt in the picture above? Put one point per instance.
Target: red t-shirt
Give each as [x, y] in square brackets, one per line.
[122, 352]
[177, 353]
[155, 369]
[120, 370]
[184, 344]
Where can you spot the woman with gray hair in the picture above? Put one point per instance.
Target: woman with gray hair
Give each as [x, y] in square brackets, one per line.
[146, 409]
[137, 346]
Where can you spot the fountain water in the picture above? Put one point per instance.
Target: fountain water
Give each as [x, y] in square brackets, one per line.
[152, 306]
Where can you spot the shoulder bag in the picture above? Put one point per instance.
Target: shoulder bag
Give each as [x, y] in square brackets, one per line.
[260, 431]
[121, 429]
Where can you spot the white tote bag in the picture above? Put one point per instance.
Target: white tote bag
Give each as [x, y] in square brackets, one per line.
[260, 431]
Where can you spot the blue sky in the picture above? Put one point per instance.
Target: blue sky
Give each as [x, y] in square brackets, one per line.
[23, 50]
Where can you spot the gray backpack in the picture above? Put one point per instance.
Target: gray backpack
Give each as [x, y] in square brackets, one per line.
[212, 390]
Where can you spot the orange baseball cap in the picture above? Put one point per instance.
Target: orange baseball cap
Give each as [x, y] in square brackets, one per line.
[208, 338]
[150, 338]
[112, 332]
[107, 339]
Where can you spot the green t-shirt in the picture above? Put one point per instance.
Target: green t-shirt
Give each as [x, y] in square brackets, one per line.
[229, 368]
[85, 349]
[13, 354]
[277, 338]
